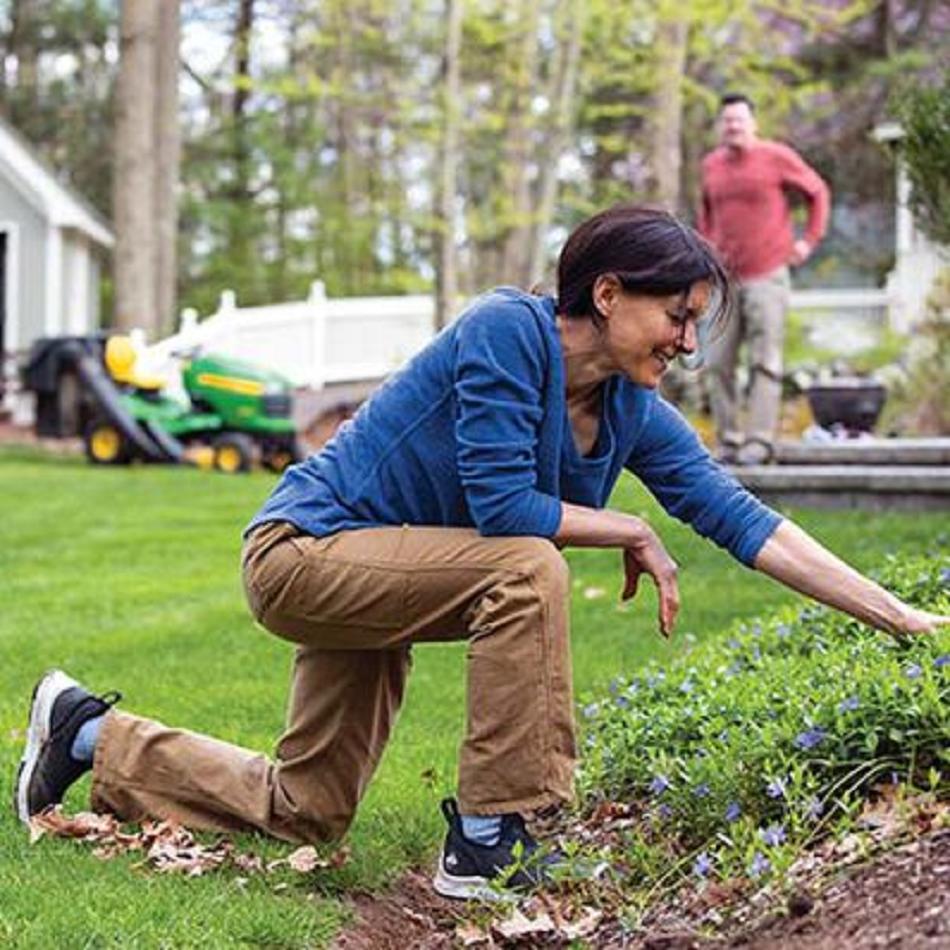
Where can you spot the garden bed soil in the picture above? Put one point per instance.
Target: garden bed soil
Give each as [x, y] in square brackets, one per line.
[900, 899]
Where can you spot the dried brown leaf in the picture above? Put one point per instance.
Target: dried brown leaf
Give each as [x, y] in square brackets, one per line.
[585, 926]
[517, 925]
[468, 934]
[305, 859]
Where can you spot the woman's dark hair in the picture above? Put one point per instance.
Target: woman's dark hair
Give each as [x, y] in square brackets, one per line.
[648, 251]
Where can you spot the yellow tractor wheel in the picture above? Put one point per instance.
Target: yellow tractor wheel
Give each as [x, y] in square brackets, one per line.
[233, 453]
[105, 445]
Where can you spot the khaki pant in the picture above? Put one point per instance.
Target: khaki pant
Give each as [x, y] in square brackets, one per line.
[354, 603]
[760, 322]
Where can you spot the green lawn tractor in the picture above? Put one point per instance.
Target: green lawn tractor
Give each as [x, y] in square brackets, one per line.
[235, 413]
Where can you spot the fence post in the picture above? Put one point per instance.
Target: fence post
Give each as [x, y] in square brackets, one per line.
[317, 305]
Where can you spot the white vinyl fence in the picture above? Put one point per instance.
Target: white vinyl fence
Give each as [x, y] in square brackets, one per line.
[322, 341]
[312, 342]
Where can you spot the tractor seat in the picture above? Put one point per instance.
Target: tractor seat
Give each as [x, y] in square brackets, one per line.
[120, 360]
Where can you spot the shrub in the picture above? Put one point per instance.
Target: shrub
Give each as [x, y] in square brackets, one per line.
[924, 113]
[750, 747]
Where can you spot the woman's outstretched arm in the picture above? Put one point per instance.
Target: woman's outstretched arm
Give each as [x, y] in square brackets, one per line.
[796, 559]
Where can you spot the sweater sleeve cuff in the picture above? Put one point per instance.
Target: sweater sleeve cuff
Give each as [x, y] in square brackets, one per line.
[754, 539]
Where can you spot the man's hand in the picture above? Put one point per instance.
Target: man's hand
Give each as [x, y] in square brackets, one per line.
[649, 557]
[801, 251]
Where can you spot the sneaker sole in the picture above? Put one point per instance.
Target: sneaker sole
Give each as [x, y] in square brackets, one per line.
[466, 888]
[45, 694]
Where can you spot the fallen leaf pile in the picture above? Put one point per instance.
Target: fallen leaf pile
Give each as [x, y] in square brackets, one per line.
[539, 919]
[167, 847]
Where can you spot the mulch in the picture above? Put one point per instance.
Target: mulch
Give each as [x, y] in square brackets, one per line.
[899, 899]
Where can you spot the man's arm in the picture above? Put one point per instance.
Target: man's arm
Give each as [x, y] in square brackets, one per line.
[798, 175]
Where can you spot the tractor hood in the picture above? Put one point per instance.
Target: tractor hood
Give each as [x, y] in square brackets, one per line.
[210, 368]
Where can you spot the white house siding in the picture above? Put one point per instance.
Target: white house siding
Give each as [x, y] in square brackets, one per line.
[78, 318]
[26, 298]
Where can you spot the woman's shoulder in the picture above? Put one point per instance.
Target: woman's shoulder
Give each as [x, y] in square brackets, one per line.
[509, 308]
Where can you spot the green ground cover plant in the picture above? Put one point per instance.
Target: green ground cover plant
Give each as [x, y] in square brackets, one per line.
[744, 750]
[128, 579]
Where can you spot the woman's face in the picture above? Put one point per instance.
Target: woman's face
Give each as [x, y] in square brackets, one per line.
[644, 334]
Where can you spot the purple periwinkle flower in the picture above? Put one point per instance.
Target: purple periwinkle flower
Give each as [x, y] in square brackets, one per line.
[773, 836]
[945, 576]
[783, 630]
[733, 811]
[815, 809]
[664, 810]
[590, 710]
[701, 790]
[942, 661]
[809, 738]
[849, 704]
[702, 865]
[912, 671]
[733, 643]
[760, 865]
[659, 784]
[777, 788]
[622, 702]
[687, 687]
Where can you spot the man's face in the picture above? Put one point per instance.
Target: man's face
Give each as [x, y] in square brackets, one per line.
[736, 125]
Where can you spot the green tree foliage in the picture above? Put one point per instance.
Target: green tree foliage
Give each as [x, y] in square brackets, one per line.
[313, 131]
[59, 70]
[924, 112]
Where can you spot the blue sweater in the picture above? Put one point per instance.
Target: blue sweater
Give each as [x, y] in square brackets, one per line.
[474, 432]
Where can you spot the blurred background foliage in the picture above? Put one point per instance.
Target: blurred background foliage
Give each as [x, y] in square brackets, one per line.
[314, 131]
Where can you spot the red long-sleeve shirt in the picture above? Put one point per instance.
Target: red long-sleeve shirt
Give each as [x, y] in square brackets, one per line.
[745, 210]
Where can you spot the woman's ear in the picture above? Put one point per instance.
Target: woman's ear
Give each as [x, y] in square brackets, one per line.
[604, 294]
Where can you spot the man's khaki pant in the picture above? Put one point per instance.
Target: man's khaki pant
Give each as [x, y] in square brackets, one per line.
[354, 604]
[760, 322]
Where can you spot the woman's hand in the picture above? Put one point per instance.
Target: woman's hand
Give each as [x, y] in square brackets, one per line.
[643, 553]
[797, 560]
[648, 556]
[916, 621]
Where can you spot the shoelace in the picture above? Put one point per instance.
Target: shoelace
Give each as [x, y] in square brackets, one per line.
[104, 702]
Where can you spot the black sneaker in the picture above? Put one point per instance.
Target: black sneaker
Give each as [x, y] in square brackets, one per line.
[466, 869]
[58, 708]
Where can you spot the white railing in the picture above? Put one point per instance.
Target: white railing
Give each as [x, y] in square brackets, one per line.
[320, 341]
[846, 320]
[312, 342]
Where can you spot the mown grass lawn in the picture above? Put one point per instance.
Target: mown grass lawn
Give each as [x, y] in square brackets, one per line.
[128, 579]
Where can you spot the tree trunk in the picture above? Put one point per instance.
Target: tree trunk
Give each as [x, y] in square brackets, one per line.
[24, 48]
[447, 260]
[887, 28]
[668, 114]
[133, 199]
[567, 71]
[517, 242]
[240, 218]
[167, 163]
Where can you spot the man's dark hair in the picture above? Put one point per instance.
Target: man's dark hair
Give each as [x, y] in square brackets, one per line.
[648, 251]
[731, 98]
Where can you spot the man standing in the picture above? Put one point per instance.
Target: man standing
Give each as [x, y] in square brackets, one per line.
[745, 212]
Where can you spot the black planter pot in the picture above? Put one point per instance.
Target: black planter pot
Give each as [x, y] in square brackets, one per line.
[852, 402]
